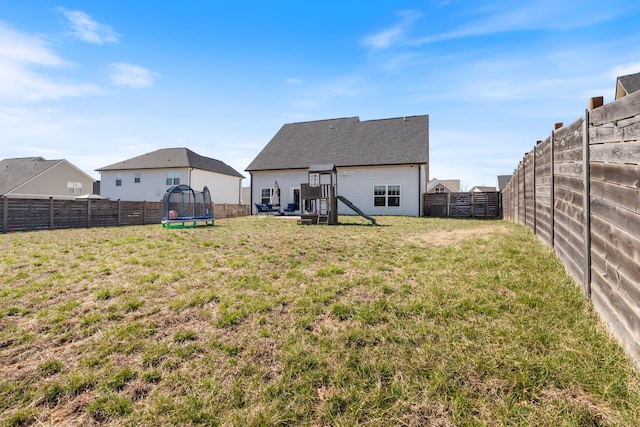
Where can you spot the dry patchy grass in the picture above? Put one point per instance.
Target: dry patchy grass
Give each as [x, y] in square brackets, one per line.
[259, 321]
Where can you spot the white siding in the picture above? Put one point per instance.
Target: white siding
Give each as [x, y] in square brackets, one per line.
[287, 181]
[152, 185]
[356, 184]
[223, 188]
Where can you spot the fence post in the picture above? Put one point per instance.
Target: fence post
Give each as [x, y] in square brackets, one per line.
[119, 213]
[552, 185]
[523, 173]
[473, 205]
[144, 212]
[5, 214]
[535, 202]
[88, 212]
[50, 213]
[586, 166]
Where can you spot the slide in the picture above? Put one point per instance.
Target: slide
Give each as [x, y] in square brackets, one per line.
[356, 210]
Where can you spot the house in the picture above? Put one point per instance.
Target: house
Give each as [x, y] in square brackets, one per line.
[503, 180]
[381, 165]
[148, 176]
[442, 186]
[35, 177]
[482, 189]
[626, 85]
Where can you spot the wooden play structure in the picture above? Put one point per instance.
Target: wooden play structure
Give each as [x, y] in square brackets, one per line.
[319, 196]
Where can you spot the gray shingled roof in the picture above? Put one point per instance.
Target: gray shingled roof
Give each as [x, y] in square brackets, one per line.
[15, 172]
[503, 180]
[173, 158]
[347, 142]
[630, 82]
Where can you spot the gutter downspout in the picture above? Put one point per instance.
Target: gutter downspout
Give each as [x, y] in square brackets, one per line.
[419, 191]
[251, 195]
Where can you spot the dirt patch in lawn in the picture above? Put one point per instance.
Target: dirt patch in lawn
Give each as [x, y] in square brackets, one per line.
[451, 237]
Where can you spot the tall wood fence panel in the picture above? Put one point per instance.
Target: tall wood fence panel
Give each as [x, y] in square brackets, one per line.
[529, 190]
[587, 206]
[614, 148]
[543, 205]
[569, 198]
[463, 205]
[52, 214]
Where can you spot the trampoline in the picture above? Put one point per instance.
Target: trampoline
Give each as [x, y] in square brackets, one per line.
[183, 207]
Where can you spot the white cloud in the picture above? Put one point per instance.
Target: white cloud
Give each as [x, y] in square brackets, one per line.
[389, 37]
[327, 92]
[134, 76]
[18, 47]
[625, 69]
[87, 29]
[516, 16]
[20, 82]
[293, 81]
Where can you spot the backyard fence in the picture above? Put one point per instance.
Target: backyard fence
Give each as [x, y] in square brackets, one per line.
[463, 205]
[579, 191]
[50, 214]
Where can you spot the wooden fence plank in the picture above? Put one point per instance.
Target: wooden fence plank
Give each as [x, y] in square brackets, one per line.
[617, 173]
[626, 107]
[618, 131]
[627, 152]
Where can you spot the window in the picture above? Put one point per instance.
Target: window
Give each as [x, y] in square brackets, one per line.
[386, 195]
[118, 179]
[379, 195]
[74, 187]
[440, 190]
[314, 180]
[393, 195]
[265, 195]
[136, 177]
[173, 178]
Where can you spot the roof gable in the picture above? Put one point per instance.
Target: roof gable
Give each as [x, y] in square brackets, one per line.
[627, 85]
[166, 158]
[453, 185]
[347, 142]
[18, 171]
[503, 180]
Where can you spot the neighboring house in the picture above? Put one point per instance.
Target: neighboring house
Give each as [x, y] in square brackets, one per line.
[35, 177]
[147, 177]
[481, 189]
[382, 165]
[503, 180]
[246, 195]
[443, 186]
[626, 85]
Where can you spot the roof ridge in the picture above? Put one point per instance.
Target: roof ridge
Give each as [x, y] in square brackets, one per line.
[325, 120]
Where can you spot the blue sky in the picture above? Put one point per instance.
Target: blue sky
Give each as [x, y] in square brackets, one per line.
[96, 82]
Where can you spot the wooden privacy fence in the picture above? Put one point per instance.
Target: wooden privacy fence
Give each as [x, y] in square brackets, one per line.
[463, 205]
[51, 214]
[579, 191]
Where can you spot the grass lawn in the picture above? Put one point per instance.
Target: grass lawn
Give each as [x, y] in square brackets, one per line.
[260, 321]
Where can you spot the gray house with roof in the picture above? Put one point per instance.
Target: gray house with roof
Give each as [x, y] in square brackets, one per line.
[626, 85]
[148, 176]
[382, 165]
[36, 177]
